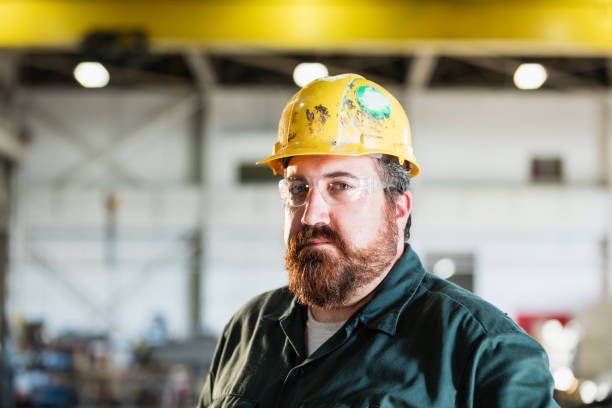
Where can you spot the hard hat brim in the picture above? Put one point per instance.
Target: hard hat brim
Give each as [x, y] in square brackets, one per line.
[275, 162]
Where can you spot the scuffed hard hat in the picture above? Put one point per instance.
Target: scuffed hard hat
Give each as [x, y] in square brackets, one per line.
[343, 115]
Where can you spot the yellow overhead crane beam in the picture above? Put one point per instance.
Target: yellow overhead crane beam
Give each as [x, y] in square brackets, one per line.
[504, 26]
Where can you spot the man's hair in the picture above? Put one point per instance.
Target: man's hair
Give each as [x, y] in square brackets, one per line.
[393, 174]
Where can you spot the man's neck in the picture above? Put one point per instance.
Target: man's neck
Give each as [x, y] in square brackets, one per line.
[356, 302]
[338, 314]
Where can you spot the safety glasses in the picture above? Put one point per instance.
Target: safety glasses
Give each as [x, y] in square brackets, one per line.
[334, 190]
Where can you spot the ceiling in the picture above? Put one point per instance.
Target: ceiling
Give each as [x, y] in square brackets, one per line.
[54, 68]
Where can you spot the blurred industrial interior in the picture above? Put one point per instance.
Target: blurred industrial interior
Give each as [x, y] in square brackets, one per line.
[134, 222]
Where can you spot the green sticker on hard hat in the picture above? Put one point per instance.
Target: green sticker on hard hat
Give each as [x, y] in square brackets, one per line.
[373, 102]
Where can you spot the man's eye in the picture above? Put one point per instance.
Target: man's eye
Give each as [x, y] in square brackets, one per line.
[297, 189]
[339, 186]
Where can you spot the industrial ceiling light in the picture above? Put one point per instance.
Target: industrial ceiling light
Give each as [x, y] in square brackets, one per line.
[91, 75]
[306, 72]
[530, 76]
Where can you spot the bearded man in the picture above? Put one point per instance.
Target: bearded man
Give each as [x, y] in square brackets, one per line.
[361, 323]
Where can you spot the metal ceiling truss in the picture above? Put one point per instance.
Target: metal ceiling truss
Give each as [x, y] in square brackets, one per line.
[60, 64]
[201, 68]
[285, 65]
[206, 72]
[9, 61]
[507, 66]
[421, 70]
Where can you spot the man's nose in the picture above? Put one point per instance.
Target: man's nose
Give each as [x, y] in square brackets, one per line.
[316, 209]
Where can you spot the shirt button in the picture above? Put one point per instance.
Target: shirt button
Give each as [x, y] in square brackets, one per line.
[299, 371]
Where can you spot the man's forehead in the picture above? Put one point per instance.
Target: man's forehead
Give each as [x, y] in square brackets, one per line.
[328, 164]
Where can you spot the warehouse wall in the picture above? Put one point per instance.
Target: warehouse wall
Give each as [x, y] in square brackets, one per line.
[490, 137]
[77, 264]
[244, 246]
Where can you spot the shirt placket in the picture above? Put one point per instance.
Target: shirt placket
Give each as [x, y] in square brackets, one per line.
[293, 383]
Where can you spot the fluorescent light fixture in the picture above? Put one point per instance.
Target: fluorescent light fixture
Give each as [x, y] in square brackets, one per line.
[530, 76]
[307, 72]
[91, 75]
[444, 268]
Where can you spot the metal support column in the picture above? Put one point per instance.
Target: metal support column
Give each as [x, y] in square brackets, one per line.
[8, 81]
[5, 384]
[205, 80]
[194, 282]
[605, 132]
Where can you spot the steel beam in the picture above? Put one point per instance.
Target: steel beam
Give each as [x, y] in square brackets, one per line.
[605, 141]
[207, 81]
[206, 84]
[201, 68]
[5, 200]
[10, 146]
[605, 129]
[540, 26]
[422, 69]
[194, 283]
[8, 69]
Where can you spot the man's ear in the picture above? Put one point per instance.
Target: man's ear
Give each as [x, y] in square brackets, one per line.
[403, 208]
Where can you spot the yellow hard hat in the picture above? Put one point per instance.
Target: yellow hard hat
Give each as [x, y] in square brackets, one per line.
[344, 115]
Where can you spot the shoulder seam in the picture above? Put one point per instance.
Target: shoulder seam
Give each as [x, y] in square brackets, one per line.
[455, 301]
[463, 306]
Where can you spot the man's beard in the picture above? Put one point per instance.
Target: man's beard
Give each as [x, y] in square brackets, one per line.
[320, 277]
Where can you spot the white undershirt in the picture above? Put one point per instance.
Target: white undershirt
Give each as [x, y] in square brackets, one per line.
[317, 332]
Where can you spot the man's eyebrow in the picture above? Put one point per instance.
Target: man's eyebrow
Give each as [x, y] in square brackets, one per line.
[334, 174]
[340, 174]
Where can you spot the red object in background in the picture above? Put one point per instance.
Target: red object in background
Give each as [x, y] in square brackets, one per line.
[527, 320]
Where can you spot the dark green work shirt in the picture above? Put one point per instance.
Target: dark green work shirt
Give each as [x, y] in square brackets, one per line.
[420, 342]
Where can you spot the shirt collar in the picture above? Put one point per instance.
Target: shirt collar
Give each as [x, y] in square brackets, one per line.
[394, 293]
[293, 322]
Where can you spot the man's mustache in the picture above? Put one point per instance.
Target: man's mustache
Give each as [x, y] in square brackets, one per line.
[309, 232]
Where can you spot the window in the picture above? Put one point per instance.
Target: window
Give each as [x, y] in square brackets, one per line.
[454, 267]
[249, 173]
[546, 170]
